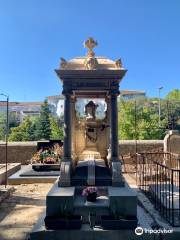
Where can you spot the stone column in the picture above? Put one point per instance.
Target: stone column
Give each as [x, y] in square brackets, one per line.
[67, 127]
[65, 169]
[114, 128]
[117, 179]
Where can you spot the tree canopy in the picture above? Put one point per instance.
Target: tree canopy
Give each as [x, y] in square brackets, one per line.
[44, 126]
[173, 95]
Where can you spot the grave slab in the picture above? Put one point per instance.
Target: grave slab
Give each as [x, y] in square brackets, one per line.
[20, 177]
[11, 169]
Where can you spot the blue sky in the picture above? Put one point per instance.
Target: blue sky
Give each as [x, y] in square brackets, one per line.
[34, 34]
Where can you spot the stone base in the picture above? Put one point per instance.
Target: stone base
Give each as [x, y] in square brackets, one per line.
[22, 176]
[59, 197]
[86, 233]
[117, 179]
[123, 200]
[45, 167]
[65, 174]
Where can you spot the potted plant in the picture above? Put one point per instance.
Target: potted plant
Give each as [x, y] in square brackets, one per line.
[64, 220]
[90, 193]
[118, 220]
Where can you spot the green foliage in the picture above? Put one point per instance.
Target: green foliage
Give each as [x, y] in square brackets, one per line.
[24, 132]
[126, 120]
[13, 122]
[43, 126]
[34, 128]
[2, 126]
[173, 95]
[171, 112]
[56, 131]
[139, 120]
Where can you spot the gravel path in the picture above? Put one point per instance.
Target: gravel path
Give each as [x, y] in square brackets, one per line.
[21, 210]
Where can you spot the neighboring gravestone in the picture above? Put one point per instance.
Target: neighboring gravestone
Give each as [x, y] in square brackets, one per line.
[172, 142]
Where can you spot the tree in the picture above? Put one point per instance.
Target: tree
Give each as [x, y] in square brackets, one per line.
[56, 131]
[24, 132]
[139, 120]
[13, 120]
[126, 120]
[170, 110]
[173, 95]
[43, 128]
[2, 126]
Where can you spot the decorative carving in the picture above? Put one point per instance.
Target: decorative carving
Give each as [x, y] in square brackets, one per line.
[63, 63]
[118, 63]
[91, 134]
[90, 44]
[90, 63]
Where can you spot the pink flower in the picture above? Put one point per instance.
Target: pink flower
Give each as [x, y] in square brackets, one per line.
[89, 190]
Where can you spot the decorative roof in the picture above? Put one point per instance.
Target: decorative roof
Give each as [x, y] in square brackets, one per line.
[90, 61]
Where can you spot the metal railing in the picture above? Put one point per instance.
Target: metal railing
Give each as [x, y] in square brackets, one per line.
[158, 176]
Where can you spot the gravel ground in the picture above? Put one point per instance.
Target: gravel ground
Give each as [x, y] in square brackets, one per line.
[21, 210]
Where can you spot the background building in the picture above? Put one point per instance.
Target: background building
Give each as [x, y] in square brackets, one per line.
[22, 109]
[132, 94]
[56, 103]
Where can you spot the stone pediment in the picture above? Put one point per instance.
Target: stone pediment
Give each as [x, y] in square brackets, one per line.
[79, 63]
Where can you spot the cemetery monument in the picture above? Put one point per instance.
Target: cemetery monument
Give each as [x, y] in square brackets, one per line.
[90, 184]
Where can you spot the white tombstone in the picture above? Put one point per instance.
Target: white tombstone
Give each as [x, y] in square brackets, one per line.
[172, 142]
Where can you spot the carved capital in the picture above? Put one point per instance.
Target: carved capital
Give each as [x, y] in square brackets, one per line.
[114, 93]
[67, 92]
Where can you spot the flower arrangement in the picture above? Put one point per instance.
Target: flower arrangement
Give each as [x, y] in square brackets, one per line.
[90, 193]
[50, 155]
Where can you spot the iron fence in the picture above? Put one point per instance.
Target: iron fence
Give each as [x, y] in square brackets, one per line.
[158, 176]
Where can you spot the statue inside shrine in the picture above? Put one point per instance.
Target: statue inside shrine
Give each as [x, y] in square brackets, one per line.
[90, 110]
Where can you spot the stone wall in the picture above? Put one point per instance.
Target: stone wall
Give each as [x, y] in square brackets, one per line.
[17, 151]
[129, 146]
[22, 151]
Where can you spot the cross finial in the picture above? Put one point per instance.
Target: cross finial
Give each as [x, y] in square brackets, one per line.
[90, 43]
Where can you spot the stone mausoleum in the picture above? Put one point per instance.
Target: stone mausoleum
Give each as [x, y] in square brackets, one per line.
[91, 156]
[90, 142]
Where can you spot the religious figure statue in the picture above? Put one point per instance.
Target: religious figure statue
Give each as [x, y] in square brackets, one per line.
[90, 110]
